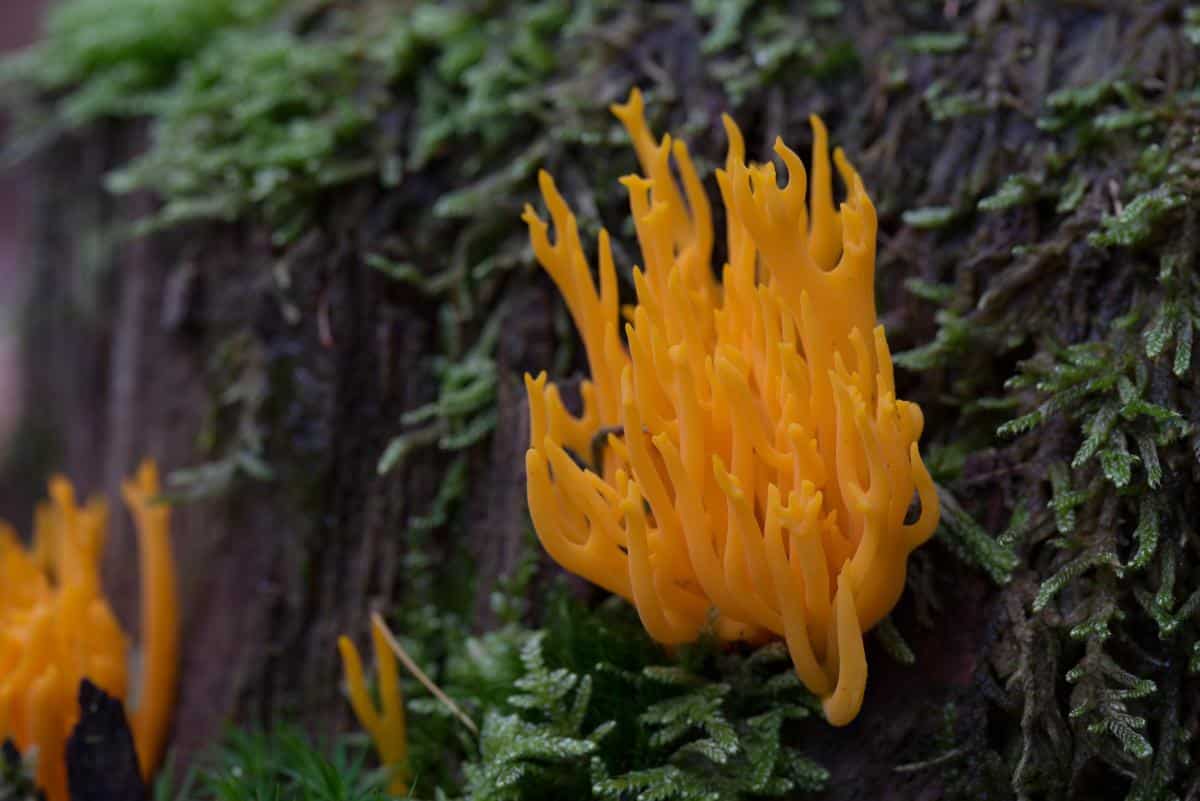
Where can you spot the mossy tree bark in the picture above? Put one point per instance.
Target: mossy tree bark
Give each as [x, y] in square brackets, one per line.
[133, 350]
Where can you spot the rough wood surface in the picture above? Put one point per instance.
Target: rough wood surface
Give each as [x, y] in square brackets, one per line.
[275, 570]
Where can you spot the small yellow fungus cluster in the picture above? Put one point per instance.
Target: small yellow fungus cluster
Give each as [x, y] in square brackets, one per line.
[385, 723]
[741, 458]
[56, 627]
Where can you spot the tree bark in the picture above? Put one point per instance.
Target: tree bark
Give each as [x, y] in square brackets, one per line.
[274, 570]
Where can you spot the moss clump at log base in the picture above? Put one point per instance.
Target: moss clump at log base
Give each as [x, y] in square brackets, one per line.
[585, 707]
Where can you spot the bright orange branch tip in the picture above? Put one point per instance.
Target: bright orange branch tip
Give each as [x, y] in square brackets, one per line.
[56, 627]
[759, 467]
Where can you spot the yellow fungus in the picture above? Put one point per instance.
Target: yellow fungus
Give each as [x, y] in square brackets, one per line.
[754, 468]
[57, 628]
[386, 724]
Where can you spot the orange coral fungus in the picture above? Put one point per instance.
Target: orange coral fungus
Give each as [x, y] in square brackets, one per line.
[749, 461]
[385, 724]
[56, 627]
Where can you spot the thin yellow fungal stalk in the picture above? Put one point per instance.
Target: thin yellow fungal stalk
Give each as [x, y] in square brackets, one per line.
[160, 615]
[386, 723]
[757, 464]
[57, 628]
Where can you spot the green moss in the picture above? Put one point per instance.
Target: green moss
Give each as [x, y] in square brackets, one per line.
[282, 765]
[257, 121]
[751, 45]
[1106, 186]
[1017, 190]
[104, 58]
[937, 43]
[233, 434]
[465, 409]
[1136, 222]
[589, 707]
[930, 217]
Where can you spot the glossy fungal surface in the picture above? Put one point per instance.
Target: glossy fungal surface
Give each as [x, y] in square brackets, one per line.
[741, 460]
